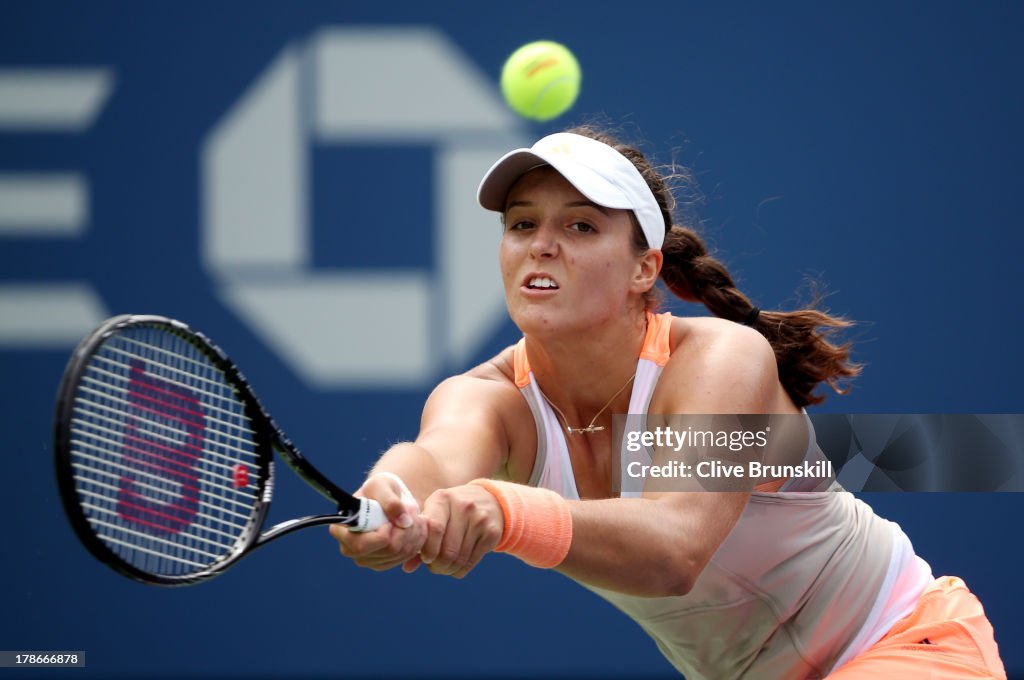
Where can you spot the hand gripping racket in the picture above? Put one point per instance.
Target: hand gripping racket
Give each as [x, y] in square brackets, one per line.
[165, 457]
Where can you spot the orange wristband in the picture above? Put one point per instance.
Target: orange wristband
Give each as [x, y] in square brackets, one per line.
[538, 523]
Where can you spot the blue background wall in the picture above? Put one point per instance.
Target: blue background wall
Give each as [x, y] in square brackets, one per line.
[875, 146]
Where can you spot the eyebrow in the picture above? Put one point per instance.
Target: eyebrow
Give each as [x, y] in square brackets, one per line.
[570, 204]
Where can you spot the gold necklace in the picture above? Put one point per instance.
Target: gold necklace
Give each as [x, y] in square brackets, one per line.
[589, 429]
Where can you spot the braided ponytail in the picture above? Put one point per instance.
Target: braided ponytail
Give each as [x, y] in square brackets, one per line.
[801, 340]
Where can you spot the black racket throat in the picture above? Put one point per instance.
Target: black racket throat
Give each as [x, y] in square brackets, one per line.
[164, 455]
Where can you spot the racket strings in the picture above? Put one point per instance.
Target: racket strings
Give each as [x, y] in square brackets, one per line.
[232, 526]
[206, 394]
[229, 453]
[163, 453]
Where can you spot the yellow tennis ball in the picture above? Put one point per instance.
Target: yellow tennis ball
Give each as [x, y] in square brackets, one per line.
[540, 80]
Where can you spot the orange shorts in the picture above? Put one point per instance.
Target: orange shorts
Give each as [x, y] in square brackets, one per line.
[946, 636]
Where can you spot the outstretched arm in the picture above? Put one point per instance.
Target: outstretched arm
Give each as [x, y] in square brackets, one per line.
[462, 437]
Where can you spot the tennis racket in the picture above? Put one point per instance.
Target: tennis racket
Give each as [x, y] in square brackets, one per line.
[165, 458]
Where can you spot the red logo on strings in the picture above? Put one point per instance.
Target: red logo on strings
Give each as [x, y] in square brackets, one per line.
[163, 438]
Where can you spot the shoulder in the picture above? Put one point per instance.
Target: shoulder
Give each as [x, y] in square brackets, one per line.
[491, 383]
[712, 339]
[722, 366]
[485, 396]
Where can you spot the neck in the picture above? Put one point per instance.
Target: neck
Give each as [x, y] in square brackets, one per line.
[579, 372]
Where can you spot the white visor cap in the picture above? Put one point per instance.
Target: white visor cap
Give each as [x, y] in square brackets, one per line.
[598, 171]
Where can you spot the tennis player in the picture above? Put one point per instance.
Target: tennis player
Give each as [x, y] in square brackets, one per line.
[516, 455]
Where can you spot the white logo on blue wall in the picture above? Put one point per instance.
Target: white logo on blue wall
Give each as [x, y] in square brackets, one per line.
[342, 328]
[52, 205]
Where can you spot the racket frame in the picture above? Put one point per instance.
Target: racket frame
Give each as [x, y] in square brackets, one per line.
[268, 437]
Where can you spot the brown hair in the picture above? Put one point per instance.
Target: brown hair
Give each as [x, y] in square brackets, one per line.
[801, 340]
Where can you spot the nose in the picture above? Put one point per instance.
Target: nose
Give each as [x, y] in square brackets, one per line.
[543, 245]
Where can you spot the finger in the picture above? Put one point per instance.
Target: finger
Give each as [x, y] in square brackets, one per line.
[419, 533]
[450, 557]
[468, 566]
[344, 538]
[396, 501]
[404, 544]
[355, 544]
[395, 508]
[385, 560]
[487, 541]
[382, 565]
[336, 536]
[436, 515]
[412, 564]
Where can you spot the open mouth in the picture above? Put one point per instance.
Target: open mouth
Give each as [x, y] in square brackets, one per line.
[541, 283]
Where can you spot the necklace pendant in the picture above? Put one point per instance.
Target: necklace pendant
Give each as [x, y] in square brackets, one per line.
[586, 430]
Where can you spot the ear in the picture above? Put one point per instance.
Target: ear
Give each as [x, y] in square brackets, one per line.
[648, 268]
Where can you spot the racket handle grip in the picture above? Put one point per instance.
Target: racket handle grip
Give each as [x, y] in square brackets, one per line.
[370, 516]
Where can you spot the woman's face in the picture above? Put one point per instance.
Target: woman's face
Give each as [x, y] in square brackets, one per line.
[567, 263]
